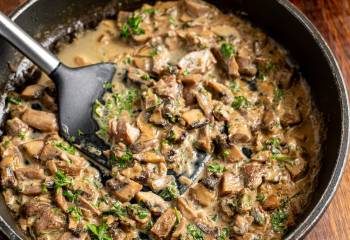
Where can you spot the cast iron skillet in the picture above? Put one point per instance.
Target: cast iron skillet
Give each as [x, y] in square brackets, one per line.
[51, 20]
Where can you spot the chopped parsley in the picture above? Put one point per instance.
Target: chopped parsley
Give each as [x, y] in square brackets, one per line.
[138, 211]
[278, 94]
[72, 197]
[150, 11]
[108, 85]
[234, 86]
[118, 210]
[278, 220]
[281, 157]
[13, 100]
[216, 168]
[61, 180]
[99, 232]
[125, 159]
[153, 53]
[132, 27]
[224, 234]
[227, 50]
[240, 102]
[75, 212]
[275, 144]
[264, 69]
[260, 197]
[195, 232]
[170, 193]
[172, 20]
[22, 135]
[145, 77]
[65, 147]
[186, 72]
[225, 154]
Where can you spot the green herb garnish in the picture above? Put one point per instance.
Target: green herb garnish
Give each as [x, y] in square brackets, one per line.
[138, 211]
[195, 232]
[125, 159]
[108, 85]
[99, 232]
[65, 147]
[240, 102]
[224, 234]
[260, 197]
[227, 50]
[150, 11]
[132, 26]
[118, 210]
[172, 20]
[14, 100]
[278, 94]
[75, 212]
[62, 180]
[216, 168]
[72, 197]
[278, 219]
[145, 77]
[153, 53]
[170, 193]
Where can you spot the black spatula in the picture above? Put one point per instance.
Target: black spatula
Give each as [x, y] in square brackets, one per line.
[77, 88]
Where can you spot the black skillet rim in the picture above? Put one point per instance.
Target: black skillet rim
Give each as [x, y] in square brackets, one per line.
[312, 218]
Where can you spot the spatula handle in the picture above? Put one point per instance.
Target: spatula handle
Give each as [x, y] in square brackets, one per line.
[27, 45]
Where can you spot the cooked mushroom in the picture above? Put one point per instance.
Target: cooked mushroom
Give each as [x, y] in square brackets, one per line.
[123, 189]
[41, 120]
[195, 118]
[164, 224]
[197, 62]
[154, 202]
[231, 184]
[202, 194]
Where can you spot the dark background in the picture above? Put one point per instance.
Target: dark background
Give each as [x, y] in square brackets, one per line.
[332, 17]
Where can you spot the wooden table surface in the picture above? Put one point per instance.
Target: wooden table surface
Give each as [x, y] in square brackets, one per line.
[332, 17]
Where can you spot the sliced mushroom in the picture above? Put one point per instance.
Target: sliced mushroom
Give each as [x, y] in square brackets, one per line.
[168, 87]
[138, 76]
[33, 148]
[15, 127]
[186, 209]
[195, 118]
[222, 91]
[149, 157]
[296, 168]
[164, 224]
[123, 189]
[40, 120]
[253, 174]
[197, 62]
[154, 202]
[123, 131]
[241, 224]
[231, 184]
[238, 129]
[202, 194]
[233, 154]
[271, 202]
[197, 8]
[245, 60]
[29, 173]
[205, 102]
[205, 139]
[33, 91]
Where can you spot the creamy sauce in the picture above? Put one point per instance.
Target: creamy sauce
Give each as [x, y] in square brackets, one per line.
[189, 79]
